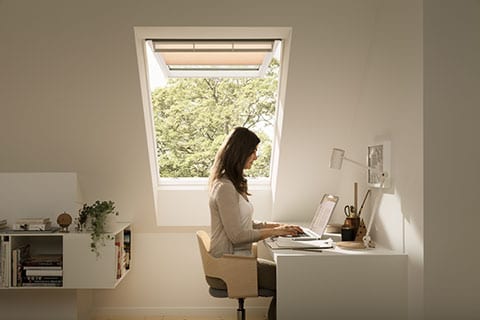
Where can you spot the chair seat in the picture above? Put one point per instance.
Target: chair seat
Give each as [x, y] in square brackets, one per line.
[219, 293]
[237, 273]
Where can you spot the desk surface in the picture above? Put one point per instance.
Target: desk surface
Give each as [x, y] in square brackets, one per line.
[269, 243]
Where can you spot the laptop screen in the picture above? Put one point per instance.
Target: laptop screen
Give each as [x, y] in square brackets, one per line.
[323, 213]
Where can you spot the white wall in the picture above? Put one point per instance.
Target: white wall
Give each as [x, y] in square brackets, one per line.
[452, 155]
[39, 195]
[70, 101]
[195, 211]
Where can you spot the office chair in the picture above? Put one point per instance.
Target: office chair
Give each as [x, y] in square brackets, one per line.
[238, 272]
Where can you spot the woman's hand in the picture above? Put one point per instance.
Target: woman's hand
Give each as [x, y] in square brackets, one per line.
[286, 230]
[277, 229]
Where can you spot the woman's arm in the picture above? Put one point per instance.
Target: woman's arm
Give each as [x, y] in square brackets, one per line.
[271, 225]
[227, 204]
[265, 224]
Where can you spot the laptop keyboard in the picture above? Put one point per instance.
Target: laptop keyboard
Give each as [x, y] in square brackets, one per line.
[303, 234]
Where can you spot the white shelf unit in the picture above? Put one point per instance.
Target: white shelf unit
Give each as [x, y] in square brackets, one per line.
[82, 268]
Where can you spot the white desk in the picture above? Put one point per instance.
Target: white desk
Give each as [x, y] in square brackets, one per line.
[341, 284]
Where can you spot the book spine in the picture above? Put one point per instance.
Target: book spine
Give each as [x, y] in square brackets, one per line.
[46, 267]
[2, 261]
[33, 221]
[31, 226]
[5, 261]
[42, 284]
[43, 272]
[37, 279]
[14, 267]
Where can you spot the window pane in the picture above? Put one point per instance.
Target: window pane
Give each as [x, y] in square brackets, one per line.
[193, 115]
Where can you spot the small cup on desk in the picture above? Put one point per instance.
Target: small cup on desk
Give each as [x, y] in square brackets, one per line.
[348, 233]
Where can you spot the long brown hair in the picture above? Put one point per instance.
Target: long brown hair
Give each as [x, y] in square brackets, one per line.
[232, 157]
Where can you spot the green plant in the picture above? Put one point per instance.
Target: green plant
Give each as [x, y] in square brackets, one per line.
[95, 216]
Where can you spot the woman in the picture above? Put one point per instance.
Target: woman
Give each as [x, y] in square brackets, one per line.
[232, 227]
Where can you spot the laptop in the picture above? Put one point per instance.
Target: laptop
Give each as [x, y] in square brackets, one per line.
[320, 219]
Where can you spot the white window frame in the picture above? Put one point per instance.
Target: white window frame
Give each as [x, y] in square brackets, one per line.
[142, 34]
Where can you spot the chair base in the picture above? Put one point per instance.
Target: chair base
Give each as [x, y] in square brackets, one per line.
[241, 312]
[241, 309]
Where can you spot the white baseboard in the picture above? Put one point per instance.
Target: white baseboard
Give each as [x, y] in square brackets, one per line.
[180, 311]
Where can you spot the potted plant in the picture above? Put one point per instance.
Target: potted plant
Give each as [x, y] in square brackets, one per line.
[93, 218]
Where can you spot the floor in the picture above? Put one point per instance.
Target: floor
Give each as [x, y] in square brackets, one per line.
[251, 317]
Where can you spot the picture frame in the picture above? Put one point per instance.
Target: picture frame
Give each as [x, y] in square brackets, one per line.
[378, 160]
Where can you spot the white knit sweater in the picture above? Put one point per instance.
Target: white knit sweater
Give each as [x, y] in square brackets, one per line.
[232, 227]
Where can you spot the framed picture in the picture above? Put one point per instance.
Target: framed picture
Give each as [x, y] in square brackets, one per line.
[378, 162]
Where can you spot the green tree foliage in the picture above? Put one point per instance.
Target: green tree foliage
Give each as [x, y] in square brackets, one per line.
[193, 116]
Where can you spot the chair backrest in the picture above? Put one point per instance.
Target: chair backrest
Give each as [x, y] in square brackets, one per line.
[238, 272]
[204, 245]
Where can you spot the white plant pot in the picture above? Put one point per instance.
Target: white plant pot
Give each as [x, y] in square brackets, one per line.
[110, 223]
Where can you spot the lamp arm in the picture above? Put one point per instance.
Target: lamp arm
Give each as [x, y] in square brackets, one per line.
[381, 173]
[367, 241]
[357, 163]
[374, 212]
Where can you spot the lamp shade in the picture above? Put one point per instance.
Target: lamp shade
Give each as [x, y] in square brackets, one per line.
[336, 159]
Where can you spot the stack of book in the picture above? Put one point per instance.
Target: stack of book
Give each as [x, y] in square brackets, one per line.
[122, 250]
[3, 224]
[126, 247]
[43, 271]
[19, 255]
[121, 259]
[4, 263]
[32, 224]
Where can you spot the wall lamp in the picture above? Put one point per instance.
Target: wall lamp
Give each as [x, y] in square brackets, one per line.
[376, 173]
[378, 157]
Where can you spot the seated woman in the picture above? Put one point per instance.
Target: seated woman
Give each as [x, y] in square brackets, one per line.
[233, 230]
